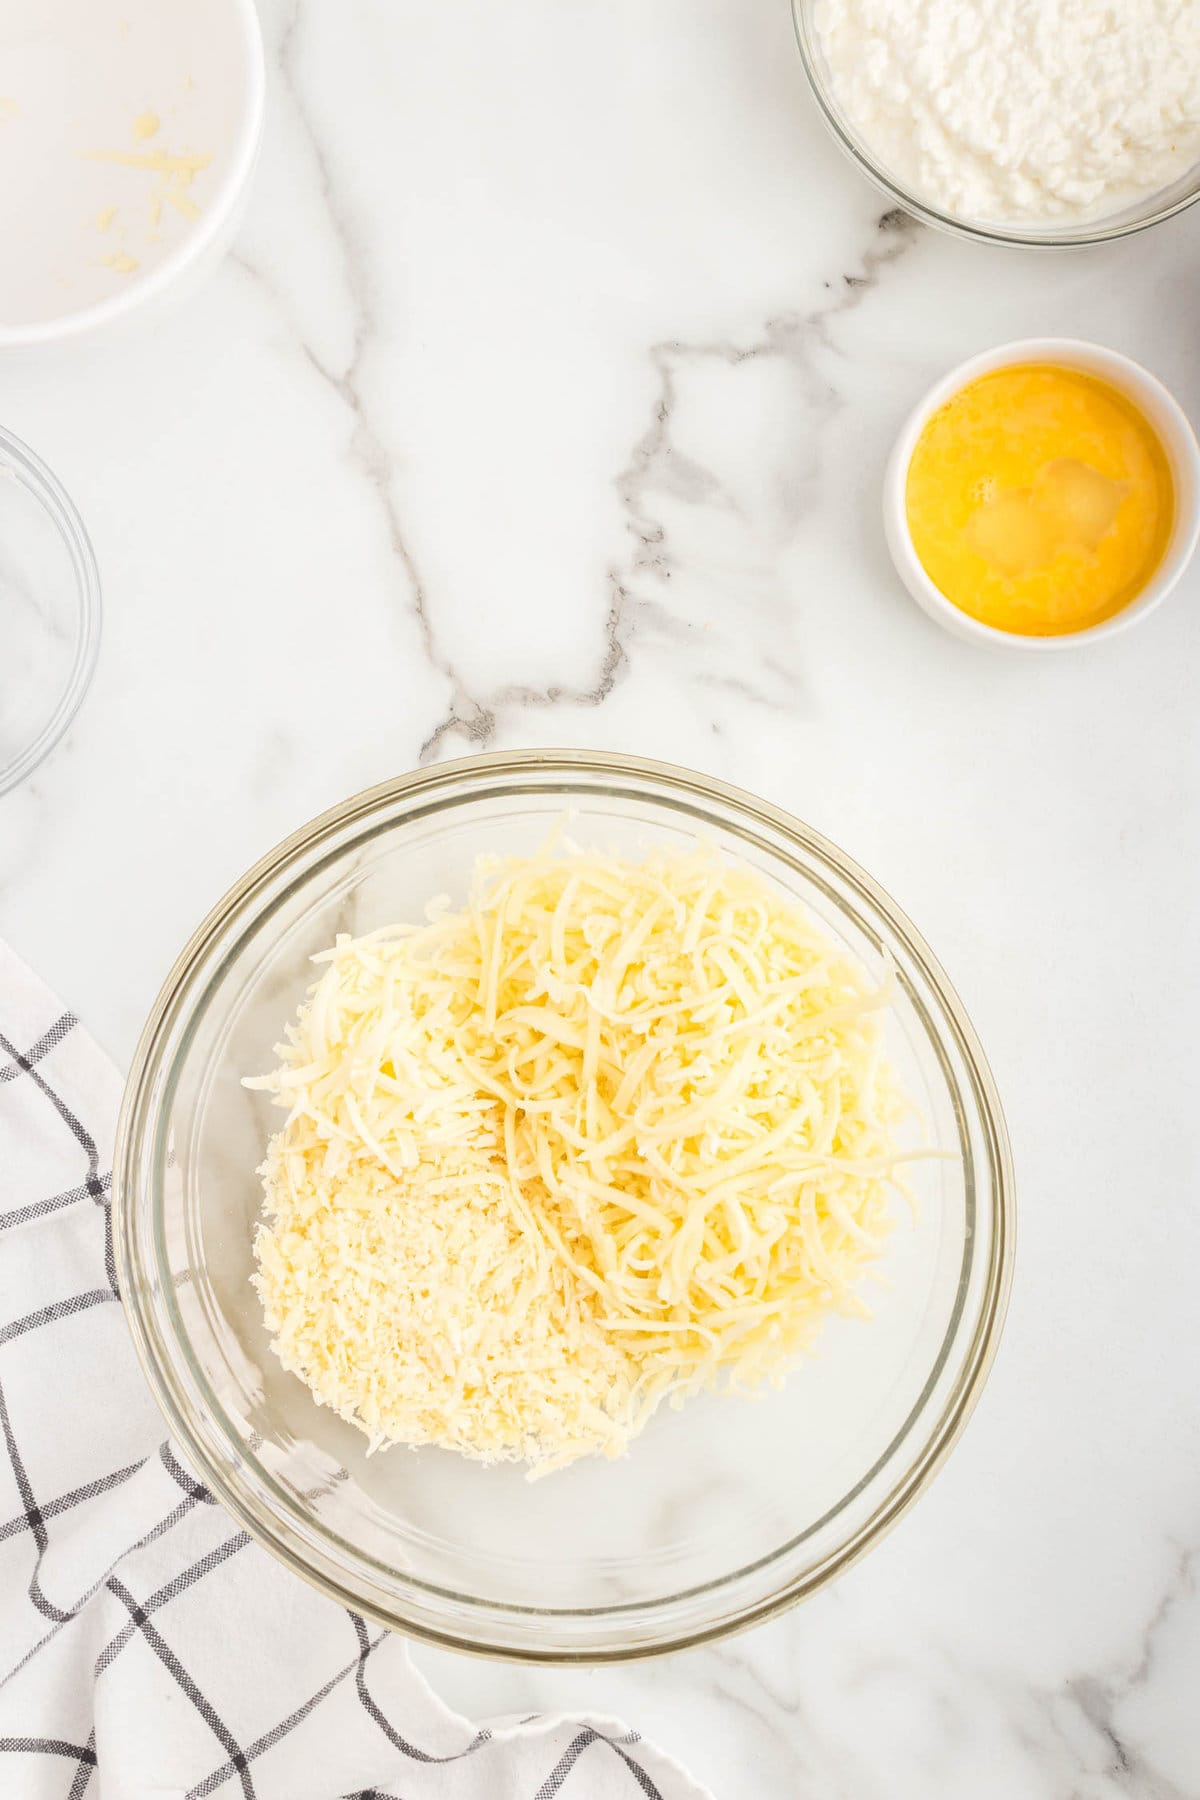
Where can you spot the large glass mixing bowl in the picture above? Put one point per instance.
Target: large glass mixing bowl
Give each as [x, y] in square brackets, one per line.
[722, 1512]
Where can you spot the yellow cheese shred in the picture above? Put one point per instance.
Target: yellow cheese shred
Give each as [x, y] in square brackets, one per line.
[614, 1131]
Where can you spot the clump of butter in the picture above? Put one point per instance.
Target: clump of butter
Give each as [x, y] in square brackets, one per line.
[1069, 507]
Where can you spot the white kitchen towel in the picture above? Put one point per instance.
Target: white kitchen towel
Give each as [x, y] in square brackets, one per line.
[148, 1649]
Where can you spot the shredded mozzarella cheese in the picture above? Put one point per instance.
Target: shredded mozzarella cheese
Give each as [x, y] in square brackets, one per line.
[614, 1131]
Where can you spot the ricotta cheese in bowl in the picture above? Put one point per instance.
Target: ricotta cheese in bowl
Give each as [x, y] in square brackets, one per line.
[1016, 112]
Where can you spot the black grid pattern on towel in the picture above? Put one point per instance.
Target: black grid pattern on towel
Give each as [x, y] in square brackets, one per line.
[233, 1766]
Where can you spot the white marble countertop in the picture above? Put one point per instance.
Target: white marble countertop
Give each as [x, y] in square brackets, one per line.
[544, 400]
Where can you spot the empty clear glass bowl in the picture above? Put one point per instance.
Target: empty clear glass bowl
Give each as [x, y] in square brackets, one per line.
[722, 1512]
[49, 611]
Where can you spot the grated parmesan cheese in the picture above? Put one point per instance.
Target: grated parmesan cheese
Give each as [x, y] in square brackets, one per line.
[613, 1132]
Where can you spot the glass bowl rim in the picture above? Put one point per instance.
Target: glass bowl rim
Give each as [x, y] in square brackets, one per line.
[41, 482]
[139, 1107]
[1017, 238]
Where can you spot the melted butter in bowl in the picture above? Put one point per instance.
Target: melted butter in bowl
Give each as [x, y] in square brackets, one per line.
[1039, 499]
[1044, 497]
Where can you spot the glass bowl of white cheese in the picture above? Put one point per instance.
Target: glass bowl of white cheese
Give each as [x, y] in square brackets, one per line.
[721, 1512]
[1045, 126]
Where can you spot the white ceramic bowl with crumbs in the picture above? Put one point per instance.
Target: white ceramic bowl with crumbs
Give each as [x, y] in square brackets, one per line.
[720, 1513]
[129, 131]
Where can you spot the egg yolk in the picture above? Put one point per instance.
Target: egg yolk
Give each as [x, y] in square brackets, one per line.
[1039, 500]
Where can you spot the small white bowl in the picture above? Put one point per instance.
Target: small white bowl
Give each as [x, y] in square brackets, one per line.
[89, 236]
[1147, 394]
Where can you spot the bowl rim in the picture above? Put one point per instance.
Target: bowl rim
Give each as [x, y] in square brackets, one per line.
[138, 1105]
[144, 288]
[1018, 237]
[41, 482]
[1162, 412]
